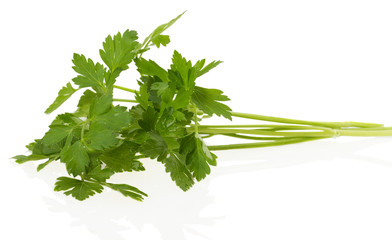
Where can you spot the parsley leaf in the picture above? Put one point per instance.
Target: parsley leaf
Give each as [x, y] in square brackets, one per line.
[76, 158]
[42, 165]
[99, 137]
[182, 99]
[154, 147]
[151, 68]
[100, 174]
[122, 158]
[156, 38]
[85, 102]
[185, 70]
[143, 96]
[115, 119]
[208, 100]
[105, 123]
[79, 189]
[43, 149]
[100, 105]
[201, 71]
[90, 74]
[161, 39]
[160, 87]
[32, 157]
[197, 156]
[149, 120]
[63, 95]
[56, 134]
[176, 166]
[119, 50]
[128, 191]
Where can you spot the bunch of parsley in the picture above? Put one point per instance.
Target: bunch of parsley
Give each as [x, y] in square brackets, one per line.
[100, 138]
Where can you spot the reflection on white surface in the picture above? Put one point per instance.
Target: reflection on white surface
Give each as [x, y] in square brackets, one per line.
[171, 212]
[296, 154]
[113, 218]
[168, 212]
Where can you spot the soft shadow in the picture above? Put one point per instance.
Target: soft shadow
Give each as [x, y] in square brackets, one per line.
[114, 217]
[173, 213]
[170, 212]
[297, 154]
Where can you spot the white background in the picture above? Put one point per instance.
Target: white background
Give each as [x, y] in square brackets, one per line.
[316, 60]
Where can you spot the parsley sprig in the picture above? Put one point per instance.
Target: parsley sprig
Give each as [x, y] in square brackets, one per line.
[101, 138]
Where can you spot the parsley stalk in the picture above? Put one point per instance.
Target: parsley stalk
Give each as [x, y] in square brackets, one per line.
[261, 144]
[312, 123]
[124, 100]
[125, 89]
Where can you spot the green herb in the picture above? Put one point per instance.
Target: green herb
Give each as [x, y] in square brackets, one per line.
[101, 138]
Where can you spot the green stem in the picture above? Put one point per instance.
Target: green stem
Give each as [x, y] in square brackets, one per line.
[364, 133]
[82, 131]
[303, 122]
[372, 129]
[329, 133]
[208, 136]
[302, 134]
[268, 127]
[255, 138]
[124, 100]
[125, 89]
[260, 144]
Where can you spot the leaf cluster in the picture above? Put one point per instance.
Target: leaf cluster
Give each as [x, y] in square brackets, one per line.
[100, 138]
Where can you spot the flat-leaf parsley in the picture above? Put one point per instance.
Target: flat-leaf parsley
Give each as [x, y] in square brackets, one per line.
[101, 138]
